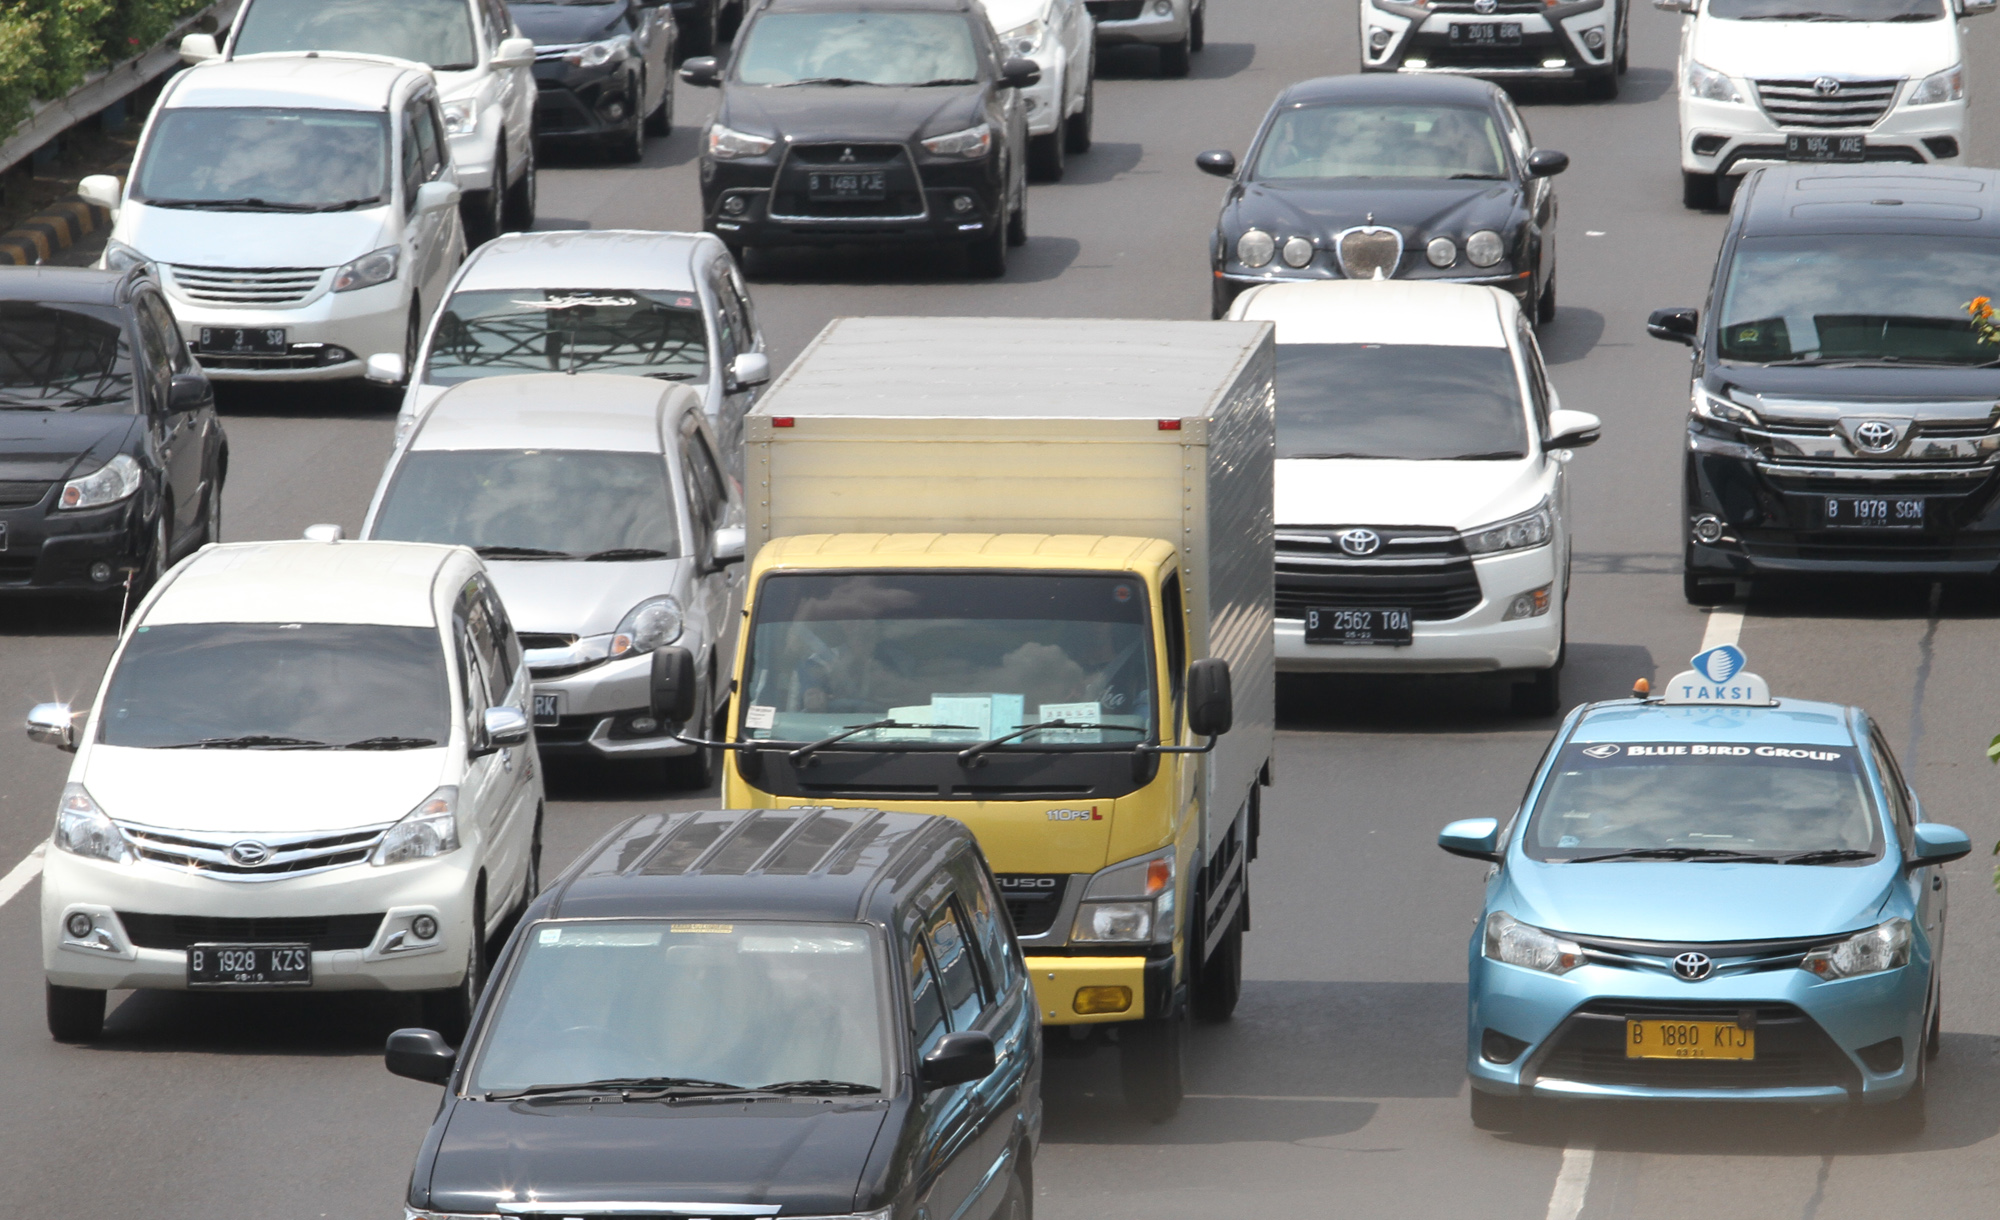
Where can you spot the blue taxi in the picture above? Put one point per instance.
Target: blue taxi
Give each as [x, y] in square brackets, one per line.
[1709, 895]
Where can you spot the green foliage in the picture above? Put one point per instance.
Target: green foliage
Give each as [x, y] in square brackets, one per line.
[47, 47]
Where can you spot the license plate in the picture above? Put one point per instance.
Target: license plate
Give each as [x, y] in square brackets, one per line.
[1825, 148]
[548, 708]
[1486, 34]
[1689, 1040]
[250, 966]
[243, 341]
[833, 188]
[1336, 626]
[1874, 512]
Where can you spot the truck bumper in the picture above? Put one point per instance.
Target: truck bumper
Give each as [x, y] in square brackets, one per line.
[1058, 979]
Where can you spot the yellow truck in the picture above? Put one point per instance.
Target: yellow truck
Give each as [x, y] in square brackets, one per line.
[1019, 571]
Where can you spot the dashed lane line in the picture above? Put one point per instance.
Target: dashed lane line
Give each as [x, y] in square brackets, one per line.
[21, 874]
[1572, 1183]
[1725, 626]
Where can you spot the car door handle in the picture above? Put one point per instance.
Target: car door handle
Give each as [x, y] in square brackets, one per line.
[507, 760]
[1937, 882]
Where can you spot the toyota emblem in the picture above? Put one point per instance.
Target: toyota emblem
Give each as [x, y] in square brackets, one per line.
[1875, 434]
[1360, 542]
[1826, 86]
[249, 853]
[1693, 967]
[1485, 6]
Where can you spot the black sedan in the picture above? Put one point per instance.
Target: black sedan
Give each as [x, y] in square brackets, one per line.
[871, 121]
[1389, 177]
[603, 71]
[111, 457]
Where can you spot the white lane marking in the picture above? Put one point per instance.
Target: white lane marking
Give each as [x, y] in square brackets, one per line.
[1268, 1097]
[17, 878]
[1724, 627]
[1572, 1184]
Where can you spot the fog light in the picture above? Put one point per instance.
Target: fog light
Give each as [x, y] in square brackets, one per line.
[1708, 528]
[1163, 8]
[424, 927]
[100, 572]
[615, 111]
[334, 355]
[1091, 1000]
[79, 925]
[961, 204]
[1532, 604]
[1594, 39]
[1555, 63]
[735, 205]
[642, 724]
[1416, 63]
[1378, 39]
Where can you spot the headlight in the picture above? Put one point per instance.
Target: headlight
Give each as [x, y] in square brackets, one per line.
[1515, 943]
[1882, 947]
[1025, 40]
[597, 54]
[1717, 410]
[1705, 82]
[1255, 248]
[375, 267]
[725, 144]
[1142, 906]
[82, 828]
[1442, 251]
[653, 623]
[120, 257]
[431, 829]
[116, 480]
[1485, 248]
[461, 118]
[1297, 252]
[972, 143]
[1945, 86]
[1532, 528]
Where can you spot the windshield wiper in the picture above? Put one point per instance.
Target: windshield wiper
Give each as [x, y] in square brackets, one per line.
[945, 80]
[1796, 17]
[849, 1088]
[969, 756]
[616, 1084]
[825, 80]
[390, 743]
[625, 552]
[1877, 362]
[1480, 177]
[248, 741]
[345, 205]
[249, 203]
[1827, 855]
[1498, 455]
[519, 552]
[800, 756]
[1678, 853]
[674, 376]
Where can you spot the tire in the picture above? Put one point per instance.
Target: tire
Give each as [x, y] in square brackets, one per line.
[1076, 128]
[1017, 221]
[1725, 191]
[533, 888]
[1698, 191]
[1219, 985]
[1701, 592]
[1198, 28]
[1602, 87]
[1175, 57]
[694, 772]
[1220, 297]
[1152, 1066]
[155, 562]
[628, 145]
[1494, 1113]
[1624, 43]
[1932, 1040]
[480, 210]
[1541, 695]
[1019, 1201]
[1545, 308]
[211, 512]
[986, 256]
[449, 1011]
[517, 210]
[661, 121]
[1907, 1116]
[76, 1014]
[1046, 156]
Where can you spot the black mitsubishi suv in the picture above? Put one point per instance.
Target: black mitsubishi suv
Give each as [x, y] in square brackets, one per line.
[1846, 407]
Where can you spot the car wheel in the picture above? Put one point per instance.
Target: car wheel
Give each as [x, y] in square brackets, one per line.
[661, 121]
[1220, 296]
[1725, 190]
[1931, 1040]
[1019, 1201]
[1706, 592]
[533, 887]
[1076, 128]
[1624, 40]
[1198, 27]
[153, 564]
[480, 210]
[1603, 86]
[211, 513]
[1174, 57]
[986, 256]
[1152, 1066]
[1046, 156]
[449, 1011]
[1545, 308]
[1697, 191]
[518, 210]
[1491, 1112]
[1541, 695]
[629, 143]
[1907, 1116]
[76, 1014]
[1220, 983]
[1017, 220]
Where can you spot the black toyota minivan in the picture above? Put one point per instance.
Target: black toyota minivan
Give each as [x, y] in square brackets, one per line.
[781, 1012]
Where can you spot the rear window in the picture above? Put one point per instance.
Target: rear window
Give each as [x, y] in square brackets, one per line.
[63, 357]
[569, 330]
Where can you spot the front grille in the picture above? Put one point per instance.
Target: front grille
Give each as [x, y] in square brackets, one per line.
[568, 731]
[1115, 10]
[1792, 1050]
[902, 196]
[17, 569]
[250, 856]
[1365, 251]
[324, 933]
[1803, 103]
[308, 360]
[18, 493]
[1427, 571]
[1505, 6]
[1033, 900]
[255, 286]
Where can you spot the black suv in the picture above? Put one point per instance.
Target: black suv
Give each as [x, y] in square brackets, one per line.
[787, 1012]
[111, 456]
[1844, 415]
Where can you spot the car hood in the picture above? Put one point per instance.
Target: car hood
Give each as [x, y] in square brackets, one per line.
[1007, 14]
[1679, 901]
[1886, 386]
[552, 25]
[804, 1155]
[1418, 208]
[253, 239]
[809, 113]
[1451, 495]
[1792, 50]
[43, 446]
[253, 791]
[580, 598]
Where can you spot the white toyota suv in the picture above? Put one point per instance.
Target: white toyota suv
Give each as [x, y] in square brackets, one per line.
[1061, 37]
[310, 767]
[1422, 504]
[1765, 81]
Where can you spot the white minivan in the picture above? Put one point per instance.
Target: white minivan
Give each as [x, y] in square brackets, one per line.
[1422, 505]
[1770, 81]
[309, 768]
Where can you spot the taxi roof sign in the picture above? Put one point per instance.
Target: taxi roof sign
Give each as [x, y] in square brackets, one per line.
[1718, 679]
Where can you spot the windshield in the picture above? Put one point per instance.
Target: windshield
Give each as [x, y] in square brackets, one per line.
[858, 49]
[569, 330]
[63, 357]
[278, 684]
[1828, 10]
[265, 159]
[1706, 799]
[1869, 298]
[741, 1004]
[1376, 141]
[984, 654]
[1408, 401]
[434, 32]
[552, 503]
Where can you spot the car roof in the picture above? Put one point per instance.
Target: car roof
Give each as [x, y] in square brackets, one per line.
[601, 411]
[1390, 312]
[804, 863]
[578, 258]
[1789, 722]
[386, 583]
[1914, 199]
[65, 285]
[308, 82]
[1391, 87]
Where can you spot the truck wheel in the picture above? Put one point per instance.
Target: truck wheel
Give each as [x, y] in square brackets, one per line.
[1152, 1066]
[76, 1014]
[1220, 983]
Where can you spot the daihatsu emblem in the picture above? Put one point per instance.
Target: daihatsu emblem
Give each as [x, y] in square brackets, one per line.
[249, 853]
[1826, 86]
[847, 154]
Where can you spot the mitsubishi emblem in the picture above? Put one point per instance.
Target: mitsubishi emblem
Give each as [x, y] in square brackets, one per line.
[847, 155]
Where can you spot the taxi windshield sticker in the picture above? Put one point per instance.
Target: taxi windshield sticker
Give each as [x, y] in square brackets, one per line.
[1659, 753]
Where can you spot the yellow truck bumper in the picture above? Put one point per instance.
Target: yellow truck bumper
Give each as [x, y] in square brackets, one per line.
[1068, 989]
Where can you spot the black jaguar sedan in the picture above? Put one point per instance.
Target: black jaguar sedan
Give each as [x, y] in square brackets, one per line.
[1389, 177]
[111, 457]
[868, 121]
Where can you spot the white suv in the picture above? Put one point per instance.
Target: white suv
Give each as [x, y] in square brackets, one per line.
[1422, 506]
[1768, 81]
[310, 767]
[1061, 38]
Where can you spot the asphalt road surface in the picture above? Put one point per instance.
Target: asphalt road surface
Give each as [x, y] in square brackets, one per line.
[1338, 1089]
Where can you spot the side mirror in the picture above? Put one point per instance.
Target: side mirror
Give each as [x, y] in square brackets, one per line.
[1220, 162]
[514, 53]
[505, 726]
[187, 392]
[198, 47]
[673, 685]
[1572, 429]
[103, 190]
[420, 1054]
[1939, 844]
[1675, 325]
[726, 546]
[1473, 838]
[751, 368]
[434, 195]
[1547, 163]
[703, 72]
[54, 724]
[1019, 73]
[958, 1058]
[1973, 8]
[324, 532]
[385, 368]
[1210, 709]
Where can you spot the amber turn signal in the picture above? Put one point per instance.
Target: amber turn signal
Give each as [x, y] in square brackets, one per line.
[1092, 1000]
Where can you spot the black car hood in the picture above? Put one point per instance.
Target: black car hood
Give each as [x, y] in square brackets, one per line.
[810, 113]
[555, 25]
[1909, 383]
[49, 445]
[804, 1154]
[1419, 208]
